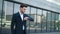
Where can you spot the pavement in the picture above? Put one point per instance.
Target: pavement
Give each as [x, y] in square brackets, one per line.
[8, 31]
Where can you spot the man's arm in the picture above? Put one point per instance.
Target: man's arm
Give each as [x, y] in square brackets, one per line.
[29, 18]
[12, 24]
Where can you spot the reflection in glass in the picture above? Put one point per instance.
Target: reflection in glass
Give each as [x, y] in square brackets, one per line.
[0, 14]
[39, 19]
[48, 21]
[44, 17]
[59, 22]
[33, 24]
[27, 10]
[7, 15]
[16, 8]
[53, 21]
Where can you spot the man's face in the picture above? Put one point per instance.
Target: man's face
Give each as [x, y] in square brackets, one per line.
[23, 9]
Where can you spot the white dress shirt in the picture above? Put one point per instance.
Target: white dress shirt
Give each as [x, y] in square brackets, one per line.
[21, 15]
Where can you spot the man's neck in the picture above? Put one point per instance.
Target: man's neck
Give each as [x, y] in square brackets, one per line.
[21, 12]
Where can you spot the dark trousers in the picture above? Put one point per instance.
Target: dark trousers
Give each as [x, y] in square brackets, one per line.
[24, 32]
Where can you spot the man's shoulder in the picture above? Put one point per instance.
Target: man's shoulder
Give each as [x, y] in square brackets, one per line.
[16, 14]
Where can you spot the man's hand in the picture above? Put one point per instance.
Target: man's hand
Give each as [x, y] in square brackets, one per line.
[26, 18]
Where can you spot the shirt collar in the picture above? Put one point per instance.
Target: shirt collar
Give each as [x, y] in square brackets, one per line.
[20, 13]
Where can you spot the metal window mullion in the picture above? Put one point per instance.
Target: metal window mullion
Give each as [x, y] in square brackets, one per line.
[2, 14]
[13, 7]
[50, 21]
[36, 21]
[41, 20]
[58, 23]
[54, 22]
[29, 21]
[46, 20]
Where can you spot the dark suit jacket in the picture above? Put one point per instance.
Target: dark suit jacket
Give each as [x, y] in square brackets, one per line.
[18, 23]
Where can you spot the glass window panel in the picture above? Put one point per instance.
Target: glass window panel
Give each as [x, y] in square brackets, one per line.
[59, 22]
[29, 24]
[0, 14]
[53, 22]
[39, 12]
[33, 24]
[39, 16]
[27, 10]
[16, 8]
[33, 10]
[44, 17]
[7, 16]
[48, 21]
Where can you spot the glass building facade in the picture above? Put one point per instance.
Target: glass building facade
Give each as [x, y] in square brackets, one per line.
[44, 20]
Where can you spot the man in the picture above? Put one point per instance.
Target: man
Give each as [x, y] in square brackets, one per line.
[18, 24]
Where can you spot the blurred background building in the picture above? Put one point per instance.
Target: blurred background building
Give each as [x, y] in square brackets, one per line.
[46, 14]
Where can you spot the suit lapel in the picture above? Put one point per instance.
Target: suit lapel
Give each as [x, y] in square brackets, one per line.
[19, 17]
[23, 17]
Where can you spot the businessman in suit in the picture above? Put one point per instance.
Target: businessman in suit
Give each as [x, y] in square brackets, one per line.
[18, 23]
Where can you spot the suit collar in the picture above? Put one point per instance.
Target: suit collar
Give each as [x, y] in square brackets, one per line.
[18, 15]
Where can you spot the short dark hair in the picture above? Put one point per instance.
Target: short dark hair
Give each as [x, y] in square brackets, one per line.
[23, 5]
